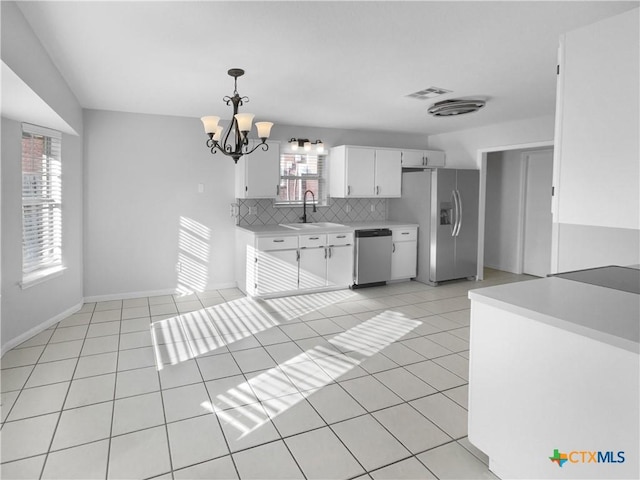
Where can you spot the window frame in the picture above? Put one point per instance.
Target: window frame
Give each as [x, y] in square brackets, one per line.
[41, 209]
[322, 177]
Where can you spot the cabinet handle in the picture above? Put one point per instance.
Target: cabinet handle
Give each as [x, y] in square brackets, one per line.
[314, 238]
[329, 252]
[325, 252]
[278, 241]
[246, 188]
[341, 236]
[394, 248]
[297, 255]
[348, 189]
[377, 190]
[426, 160]
[277, 190]
[404, 233]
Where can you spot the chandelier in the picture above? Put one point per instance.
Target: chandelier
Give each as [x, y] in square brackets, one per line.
[238, 145]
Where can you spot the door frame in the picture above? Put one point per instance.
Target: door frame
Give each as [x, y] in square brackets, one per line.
[481, 157]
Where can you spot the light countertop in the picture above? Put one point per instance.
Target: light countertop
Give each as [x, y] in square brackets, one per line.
[603, 314]
[276, 229]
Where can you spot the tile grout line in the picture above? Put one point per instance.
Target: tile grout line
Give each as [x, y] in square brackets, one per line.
[113, 405]
[204, 383]
[55, 430]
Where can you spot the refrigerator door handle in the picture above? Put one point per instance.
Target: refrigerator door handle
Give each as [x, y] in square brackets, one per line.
[459, 215]
[454, 223]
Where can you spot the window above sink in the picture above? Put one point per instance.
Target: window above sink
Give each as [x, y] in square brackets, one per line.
[300, 172]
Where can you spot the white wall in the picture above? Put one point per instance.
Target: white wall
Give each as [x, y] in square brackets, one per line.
[462, 146]
[502, 238]
[24, 312]
[597, 212]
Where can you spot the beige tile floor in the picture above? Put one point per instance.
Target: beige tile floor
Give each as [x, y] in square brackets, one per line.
[370, 383]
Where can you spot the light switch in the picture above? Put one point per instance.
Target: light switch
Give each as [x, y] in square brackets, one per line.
[201, 188]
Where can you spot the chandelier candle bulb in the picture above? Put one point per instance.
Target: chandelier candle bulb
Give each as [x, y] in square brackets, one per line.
[244, 121]
[210, 124]
[218, 134]
[264, 129]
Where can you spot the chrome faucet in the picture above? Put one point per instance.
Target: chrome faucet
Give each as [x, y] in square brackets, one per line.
[304, 206]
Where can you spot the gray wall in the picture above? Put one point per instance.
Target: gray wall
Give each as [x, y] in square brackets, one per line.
[26, 311]
[143, 211]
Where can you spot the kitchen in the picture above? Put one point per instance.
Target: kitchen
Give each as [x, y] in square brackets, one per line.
[134, 209]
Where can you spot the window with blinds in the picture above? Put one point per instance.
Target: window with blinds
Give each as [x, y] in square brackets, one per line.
[41, 200]
[300, 172]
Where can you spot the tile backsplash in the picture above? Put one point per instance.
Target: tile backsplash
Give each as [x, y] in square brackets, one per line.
[340, 210]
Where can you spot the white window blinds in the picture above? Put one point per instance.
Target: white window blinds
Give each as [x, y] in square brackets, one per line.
[300, 172]
[41, 199]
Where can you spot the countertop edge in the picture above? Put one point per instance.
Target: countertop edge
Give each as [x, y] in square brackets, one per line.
[554, 321]
[348, 227]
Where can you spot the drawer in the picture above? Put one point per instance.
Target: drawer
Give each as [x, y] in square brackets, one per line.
[404, 234]
[335, 239]
[313, 240]
[277, 243]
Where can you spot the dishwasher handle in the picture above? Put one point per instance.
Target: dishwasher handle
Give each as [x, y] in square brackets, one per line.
[373, 232]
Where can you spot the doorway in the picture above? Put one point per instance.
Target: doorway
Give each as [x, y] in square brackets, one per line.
[515, 221]
[536, 249]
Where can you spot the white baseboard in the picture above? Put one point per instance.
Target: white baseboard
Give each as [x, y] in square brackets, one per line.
[97, 298]
[151, 293]
[38, 328]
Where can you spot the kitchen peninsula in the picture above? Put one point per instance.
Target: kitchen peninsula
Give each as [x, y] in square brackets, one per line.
[554, 370]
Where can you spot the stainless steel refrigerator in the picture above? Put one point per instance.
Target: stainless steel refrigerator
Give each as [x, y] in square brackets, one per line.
[444, 203]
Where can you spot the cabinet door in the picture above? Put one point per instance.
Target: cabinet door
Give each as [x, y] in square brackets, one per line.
[261, 172]
[413, 158]
[340, 266]
[404, 260]
[388, 173]
[313, 267]
[434, 158]
[360, 172]
[276, 271]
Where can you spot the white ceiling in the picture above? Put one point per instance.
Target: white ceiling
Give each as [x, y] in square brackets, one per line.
[325, 64]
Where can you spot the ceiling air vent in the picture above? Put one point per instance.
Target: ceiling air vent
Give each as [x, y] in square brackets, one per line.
[428, 93]
[447, 108]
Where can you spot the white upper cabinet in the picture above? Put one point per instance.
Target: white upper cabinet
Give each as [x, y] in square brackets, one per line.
[423, 158]
[257, 174]
[596, 154]
[388, 173]
[360, 172]
[364, 172]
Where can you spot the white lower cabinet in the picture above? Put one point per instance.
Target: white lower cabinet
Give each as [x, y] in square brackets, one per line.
[293, 263]
[276, 271]
[404, 258]
[340, 266]
[313, 268]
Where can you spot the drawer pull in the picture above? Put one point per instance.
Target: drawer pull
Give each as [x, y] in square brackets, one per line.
[405, 233]
[278, 241]
[314, 238]
[342, 236]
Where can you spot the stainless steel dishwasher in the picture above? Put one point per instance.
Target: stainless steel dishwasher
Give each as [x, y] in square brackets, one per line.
[373, 257]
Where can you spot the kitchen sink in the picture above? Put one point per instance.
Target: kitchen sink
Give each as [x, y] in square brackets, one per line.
[308, 226]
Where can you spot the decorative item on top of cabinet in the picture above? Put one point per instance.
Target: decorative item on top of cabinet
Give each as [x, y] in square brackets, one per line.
[257, 175]
[365, 172]
[422, 158]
